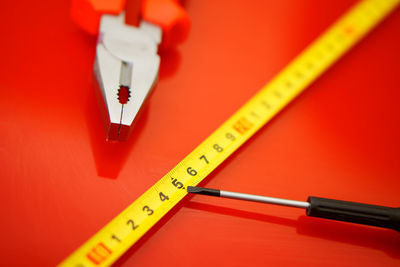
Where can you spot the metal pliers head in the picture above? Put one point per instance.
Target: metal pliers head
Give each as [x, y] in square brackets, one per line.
[125, 69]
[127, 64]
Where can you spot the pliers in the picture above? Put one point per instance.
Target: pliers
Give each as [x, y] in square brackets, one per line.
[127, 61]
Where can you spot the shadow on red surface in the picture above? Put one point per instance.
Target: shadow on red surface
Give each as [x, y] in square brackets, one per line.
[385, 240]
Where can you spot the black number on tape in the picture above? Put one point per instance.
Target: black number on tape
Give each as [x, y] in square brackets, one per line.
[176, 183]
[230, 136]
[163, 197]
[218, 148]
[133, 224]
[191, 171]
[116, 238]
[148, 210]
[204, 157]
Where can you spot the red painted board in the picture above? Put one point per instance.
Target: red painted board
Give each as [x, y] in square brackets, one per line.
[61, 182]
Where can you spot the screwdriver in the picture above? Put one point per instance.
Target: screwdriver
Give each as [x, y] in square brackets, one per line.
[380, 216]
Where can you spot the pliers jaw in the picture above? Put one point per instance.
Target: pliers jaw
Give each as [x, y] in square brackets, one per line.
[126, 69]
[114, 129]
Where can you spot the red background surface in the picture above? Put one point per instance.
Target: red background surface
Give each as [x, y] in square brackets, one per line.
[61, 182]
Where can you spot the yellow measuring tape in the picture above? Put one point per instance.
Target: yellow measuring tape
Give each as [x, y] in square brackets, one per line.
[107, 245]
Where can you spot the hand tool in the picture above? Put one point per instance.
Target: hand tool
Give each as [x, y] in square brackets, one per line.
[339, 210]
[126, 64]
[109, 243]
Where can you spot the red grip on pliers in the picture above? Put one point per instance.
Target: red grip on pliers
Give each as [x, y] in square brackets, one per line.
[168, 14]
[172, 18]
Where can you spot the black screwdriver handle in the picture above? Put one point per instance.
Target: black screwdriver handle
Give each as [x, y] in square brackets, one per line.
[339, 210]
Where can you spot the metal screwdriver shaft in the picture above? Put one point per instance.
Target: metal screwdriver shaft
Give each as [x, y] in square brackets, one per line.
[249, 197]
[386, 217]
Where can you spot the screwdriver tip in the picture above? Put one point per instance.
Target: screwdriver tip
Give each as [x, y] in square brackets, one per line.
[192, 189]
[203, 191]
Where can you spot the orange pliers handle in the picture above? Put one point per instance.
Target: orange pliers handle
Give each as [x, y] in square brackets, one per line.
[168, 14]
